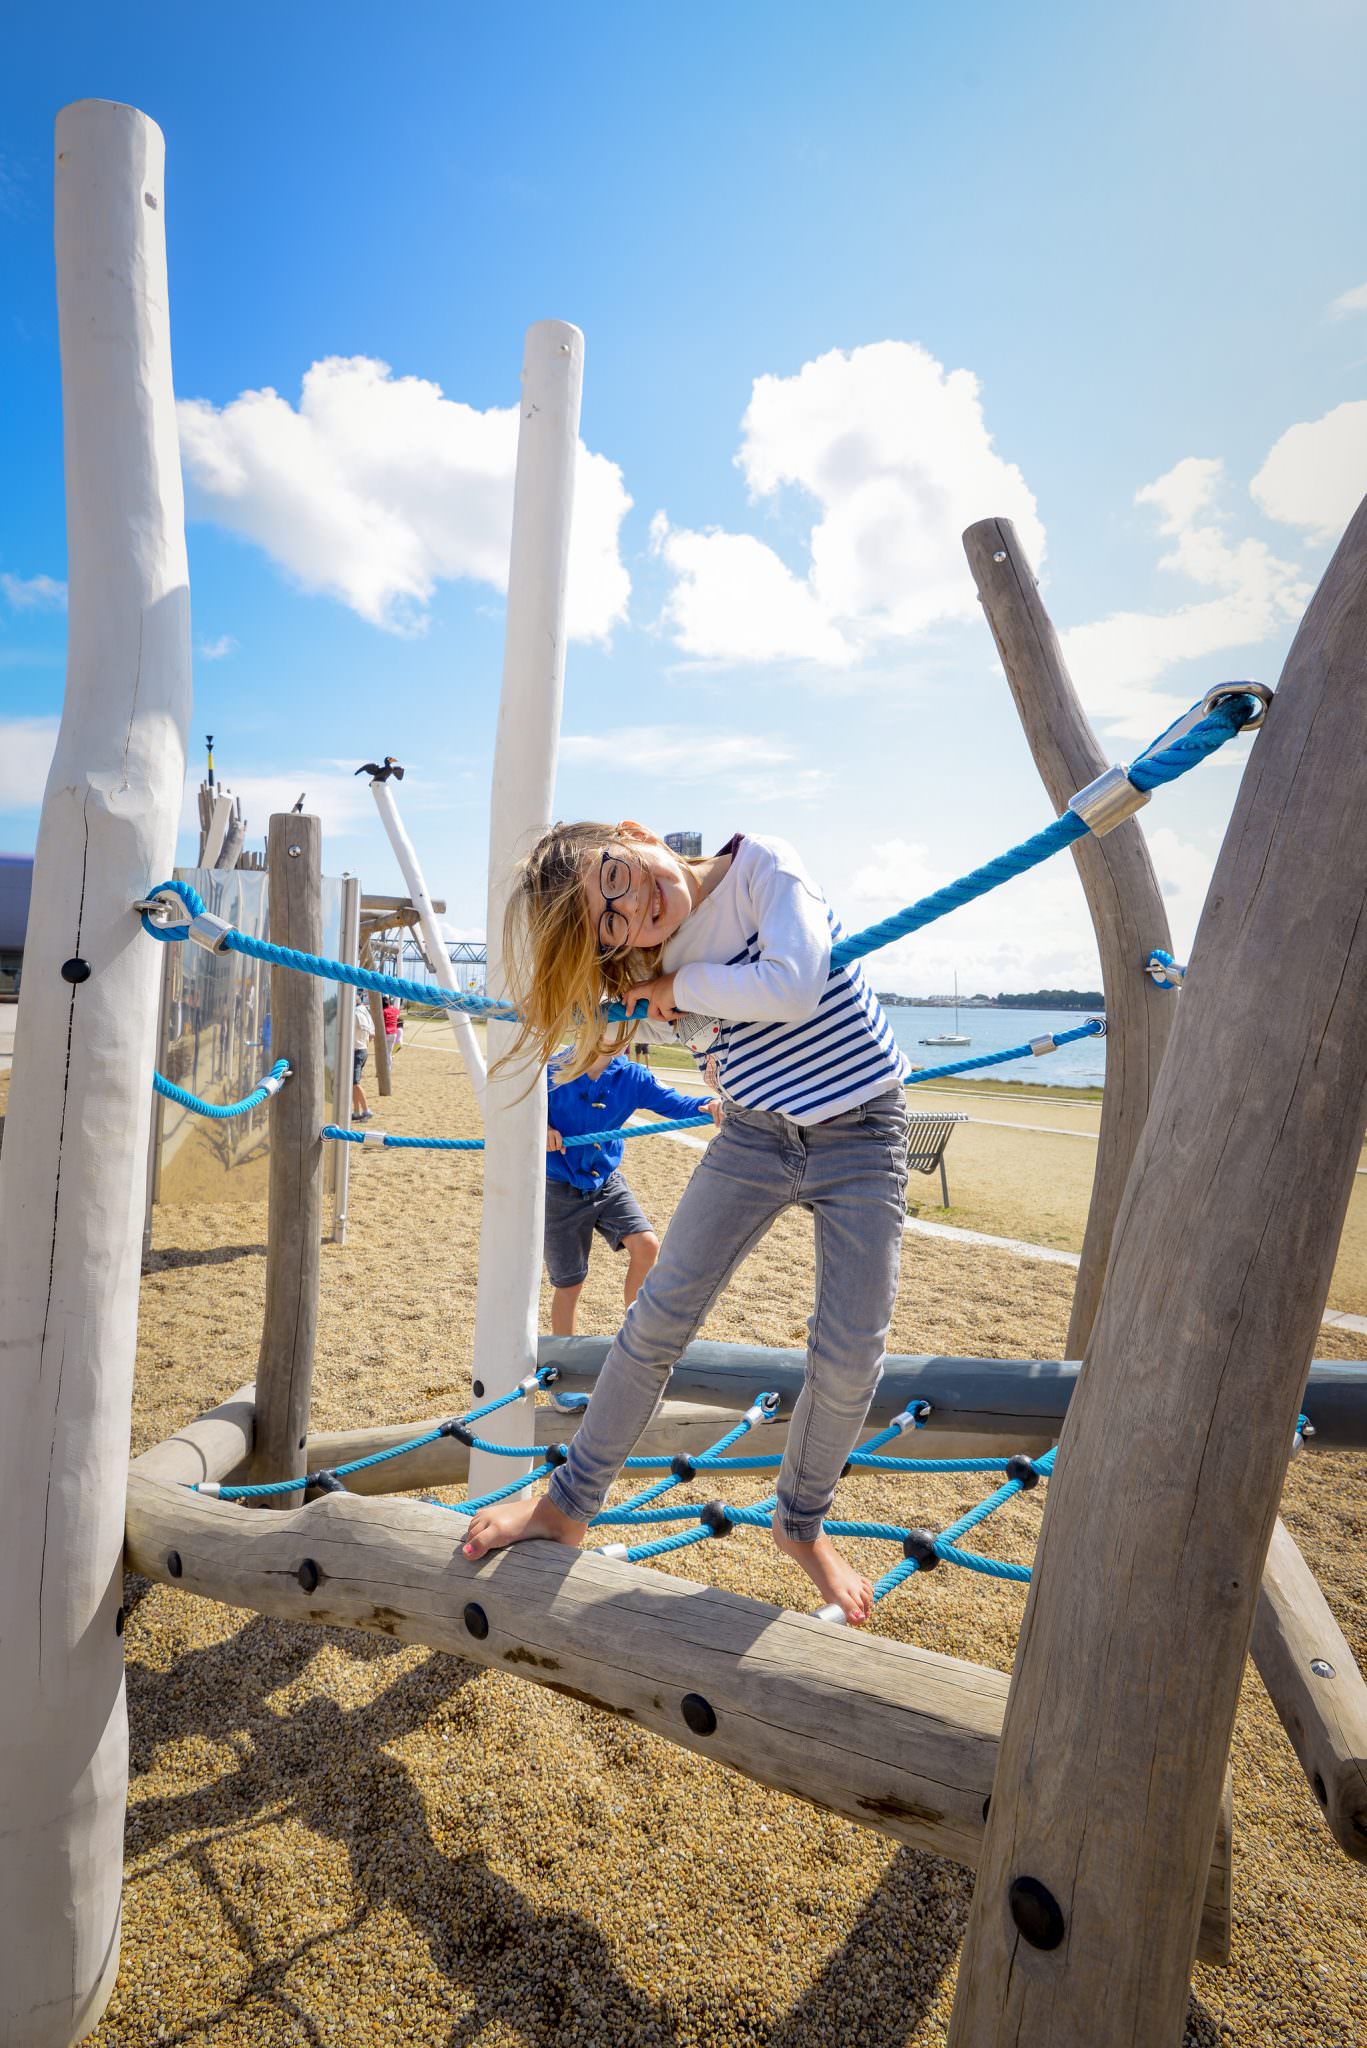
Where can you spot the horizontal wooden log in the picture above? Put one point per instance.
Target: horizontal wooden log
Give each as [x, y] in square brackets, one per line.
[897, 1738]
[1316, 1687]
[216, 1445]
[679, 1426]
[993, 1397]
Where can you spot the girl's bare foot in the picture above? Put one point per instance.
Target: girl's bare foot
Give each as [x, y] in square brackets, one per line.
[836, 1580]
[515, 1521]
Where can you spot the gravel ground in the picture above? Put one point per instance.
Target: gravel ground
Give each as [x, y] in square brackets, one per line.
[333, 1838]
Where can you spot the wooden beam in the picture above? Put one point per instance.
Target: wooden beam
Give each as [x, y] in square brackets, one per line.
[508, 1288]
[284, 1373]
[76, 1139]
[1316, 1687]
[381, 1043]
[214, 1445]
[679, 1426]
[998, 1399]
[894, 1737]
[1156, 1526]
[1117, 879]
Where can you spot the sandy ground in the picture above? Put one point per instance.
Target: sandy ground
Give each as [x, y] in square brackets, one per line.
[335, 1839]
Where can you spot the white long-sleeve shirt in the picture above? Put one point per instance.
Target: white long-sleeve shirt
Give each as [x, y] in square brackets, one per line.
[795, 1036]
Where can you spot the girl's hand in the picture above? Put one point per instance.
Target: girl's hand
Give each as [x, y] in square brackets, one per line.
[659, 994]
[713, 1106]
[554, 1141]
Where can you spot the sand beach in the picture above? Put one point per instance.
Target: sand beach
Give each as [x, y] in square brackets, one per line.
[335, 1838]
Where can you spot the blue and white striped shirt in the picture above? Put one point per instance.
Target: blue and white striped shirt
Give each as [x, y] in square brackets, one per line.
[793, 1035]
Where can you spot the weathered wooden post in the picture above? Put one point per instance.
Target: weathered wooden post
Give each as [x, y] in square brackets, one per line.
[509, 1293]
[467, 1045]
[75, 1161]
[383, 1074]
[1294, 1636]
[1158, 1519]
[284, 1374]
[1117, 879]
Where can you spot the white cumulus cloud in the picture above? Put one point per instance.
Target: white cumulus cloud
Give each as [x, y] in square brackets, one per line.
[1316, 474]
[375, 488]
[892, 454]
[1354, 301]
[217, 650]
[752, 765]
[1035, 932]
[1116, 662]
[34, 593]
[26, 750]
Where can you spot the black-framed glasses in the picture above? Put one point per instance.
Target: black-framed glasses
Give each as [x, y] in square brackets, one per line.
[615, 881]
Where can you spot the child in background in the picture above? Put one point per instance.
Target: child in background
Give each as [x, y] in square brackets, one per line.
[814, 1117]
[361, 1111]
[584, 1190]
[393, 1025]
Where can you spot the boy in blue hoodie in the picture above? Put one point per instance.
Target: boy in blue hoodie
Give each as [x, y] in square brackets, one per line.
[585, 1192]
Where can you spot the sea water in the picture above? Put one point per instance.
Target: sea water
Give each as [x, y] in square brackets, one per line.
[1081, 1065]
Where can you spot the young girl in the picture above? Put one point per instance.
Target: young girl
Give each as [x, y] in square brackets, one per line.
[814, 1116]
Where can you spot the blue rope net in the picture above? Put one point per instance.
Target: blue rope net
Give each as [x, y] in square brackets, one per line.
[649, 1510]
[1158, 765]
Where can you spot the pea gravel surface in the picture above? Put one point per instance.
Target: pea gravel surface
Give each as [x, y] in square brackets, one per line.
[336, 1839]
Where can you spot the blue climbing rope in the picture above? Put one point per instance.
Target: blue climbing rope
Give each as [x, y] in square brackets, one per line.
[392, 1143]
[1151, 771]
[1094, 1028]
[1160, 764]
[269, 1085]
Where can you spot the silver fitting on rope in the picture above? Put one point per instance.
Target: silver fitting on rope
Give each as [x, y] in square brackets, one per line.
[765, 1409]
[911, 1417]
[1298, 1442]
[1108, 801]
[213, 1487]
[617, 1550]
[209, 931]
[168, 911]
[1043, 1044]
[1188, 722]
[369, 1137]
[1222, 693]
[1165, 973]
[834, 1612]
[273, 1083]
[528, 1385]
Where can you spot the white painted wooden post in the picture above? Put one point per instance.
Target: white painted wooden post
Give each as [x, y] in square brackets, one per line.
[466, 1043]
[506, 1308]
[75, 1159]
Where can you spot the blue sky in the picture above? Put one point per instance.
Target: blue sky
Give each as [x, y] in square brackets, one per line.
[848, 279]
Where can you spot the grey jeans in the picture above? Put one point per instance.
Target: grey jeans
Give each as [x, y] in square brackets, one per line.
[851, 1173]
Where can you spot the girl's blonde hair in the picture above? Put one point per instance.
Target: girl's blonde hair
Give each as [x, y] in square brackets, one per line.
[556, 975]
[552, 963]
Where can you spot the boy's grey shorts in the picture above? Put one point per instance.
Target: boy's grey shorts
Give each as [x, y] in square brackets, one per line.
[572, 1216]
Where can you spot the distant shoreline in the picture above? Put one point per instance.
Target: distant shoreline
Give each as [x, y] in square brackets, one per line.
[1041, 999]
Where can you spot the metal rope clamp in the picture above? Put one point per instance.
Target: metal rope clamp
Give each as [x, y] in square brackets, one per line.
[168, 912]
[1108, 801]
[209, 931]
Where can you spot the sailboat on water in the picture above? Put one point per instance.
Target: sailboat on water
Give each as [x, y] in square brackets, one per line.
[954, 1037]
